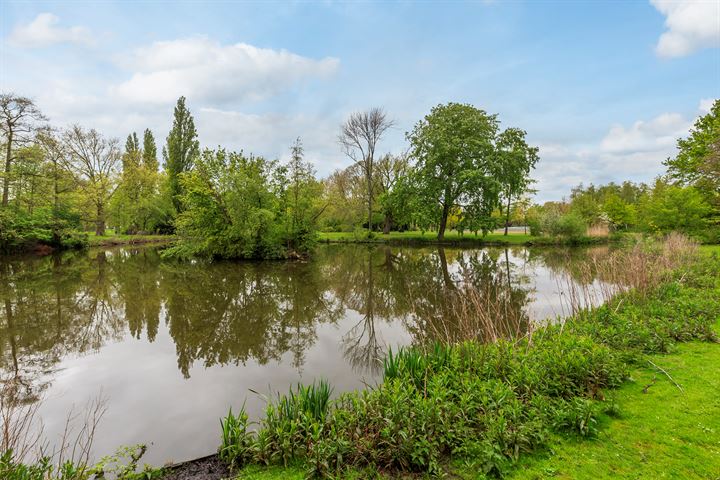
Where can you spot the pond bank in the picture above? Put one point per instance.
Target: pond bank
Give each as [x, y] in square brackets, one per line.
[439, 409]
[114, 240]
[455, 239]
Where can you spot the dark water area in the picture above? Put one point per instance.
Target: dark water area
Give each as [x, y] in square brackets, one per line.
[173, 345]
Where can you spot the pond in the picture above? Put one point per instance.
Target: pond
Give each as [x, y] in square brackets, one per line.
[173, 345]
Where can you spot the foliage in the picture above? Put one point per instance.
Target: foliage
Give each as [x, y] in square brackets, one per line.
[488, 403]
[123, 465]
[516, 160]
[698, 160]
[455, 162]
[181, 151]
[673, 208]
[236, 206]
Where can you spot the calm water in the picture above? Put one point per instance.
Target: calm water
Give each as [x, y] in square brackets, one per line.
[173, 345]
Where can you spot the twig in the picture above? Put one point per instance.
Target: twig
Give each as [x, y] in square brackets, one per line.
[667, 375]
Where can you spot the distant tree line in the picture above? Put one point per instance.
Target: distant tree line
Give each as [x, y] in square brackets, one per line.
[460, 171]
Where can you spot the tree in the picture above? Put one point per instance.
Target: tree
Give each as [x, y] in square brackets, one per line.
[390, 170]
[18, 118]
[149, 151]
[516, 159]
[698, 160]
[181, 151]
[670, 207]
[456, 161]
[94, 160]
[359, 136]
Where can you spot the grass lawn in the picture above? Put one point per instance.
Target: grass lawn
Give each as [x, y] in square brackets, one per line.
[428, 237]
[662, 434]
[710, 248]
[113, 239]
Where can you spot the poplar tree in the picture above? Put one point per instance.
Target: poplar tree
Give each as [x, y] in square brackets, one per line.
[181, 150]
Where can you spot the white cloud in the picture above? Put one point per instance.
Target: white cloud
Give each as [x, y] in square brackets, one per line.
[643, 136]
[271, 135]
[691, 25]
[207, 71]
[706, 104]
[634, 152]
[44, 31]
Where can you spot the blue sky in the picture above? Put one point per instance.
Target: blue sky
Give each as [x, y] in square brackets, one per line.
[603, 88]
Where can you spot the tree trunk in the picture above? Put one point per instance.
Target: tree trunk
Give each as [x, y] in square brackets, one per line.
[100, 221]
[443, 221]
[507, 216]
[370, 225]
[387, 225]
[8, 161]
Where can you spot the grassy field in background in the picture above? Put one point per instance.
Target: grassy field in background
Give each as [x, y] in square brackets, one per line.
[428, 237]
[113, 239]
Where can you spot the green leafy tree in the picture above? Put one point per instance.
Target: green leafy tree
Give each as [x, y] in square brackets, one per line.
[698, 160]
[181, 150]
[670, 207]
[619, 213]
[149, 151]
[456, 162]
[515, 161]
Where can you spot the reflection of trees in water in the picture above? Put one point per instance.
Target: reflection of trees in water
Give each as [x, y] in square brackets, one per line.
[230, 312]
[222, 313]
[52, 307]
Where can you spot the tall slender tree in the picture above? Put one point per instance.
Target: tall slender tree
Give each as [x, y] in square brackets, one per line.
[149, 151]
[359, 137]
[18, 119]
[181, 151]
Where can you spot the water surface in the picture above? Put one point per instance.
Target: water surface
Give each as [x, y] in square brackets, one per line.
[173, 345]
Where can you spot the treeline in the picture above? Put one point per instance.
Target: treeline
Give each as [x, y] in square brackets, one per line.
[460, 171]
[686, 199]
[459, 168]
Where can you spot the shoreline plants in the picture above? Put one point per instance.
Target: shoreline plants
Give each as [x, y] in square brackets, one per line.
[487, 404]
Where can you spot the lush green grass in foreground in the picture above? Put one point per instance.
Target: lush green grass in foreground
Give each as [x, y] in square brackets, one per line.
[662, 432]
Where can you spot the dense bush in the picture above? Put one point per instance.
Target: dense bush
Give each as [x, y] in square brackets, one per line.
[236, 206]
[21, 230]
[485, 404]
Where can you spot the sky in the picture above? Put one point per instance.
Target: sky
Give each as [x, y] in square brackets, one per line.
[604, 89]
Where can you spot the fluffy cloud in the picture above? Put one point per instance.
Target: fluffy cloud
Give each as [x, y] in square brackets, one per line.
[207, 71]
[691, 25]
[644, 136]
[271, 135]
[44, 31]
[635, 152]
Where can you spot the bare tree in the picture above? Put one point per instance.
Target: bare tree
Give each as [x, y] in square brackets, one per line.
[94, 160]
[359, 136]
[18, 117]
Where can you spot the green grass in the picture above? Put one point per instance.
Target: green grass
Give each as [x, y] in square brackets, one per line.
[427, 237]
[710, 248]
[661, 434]
[118, 239]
